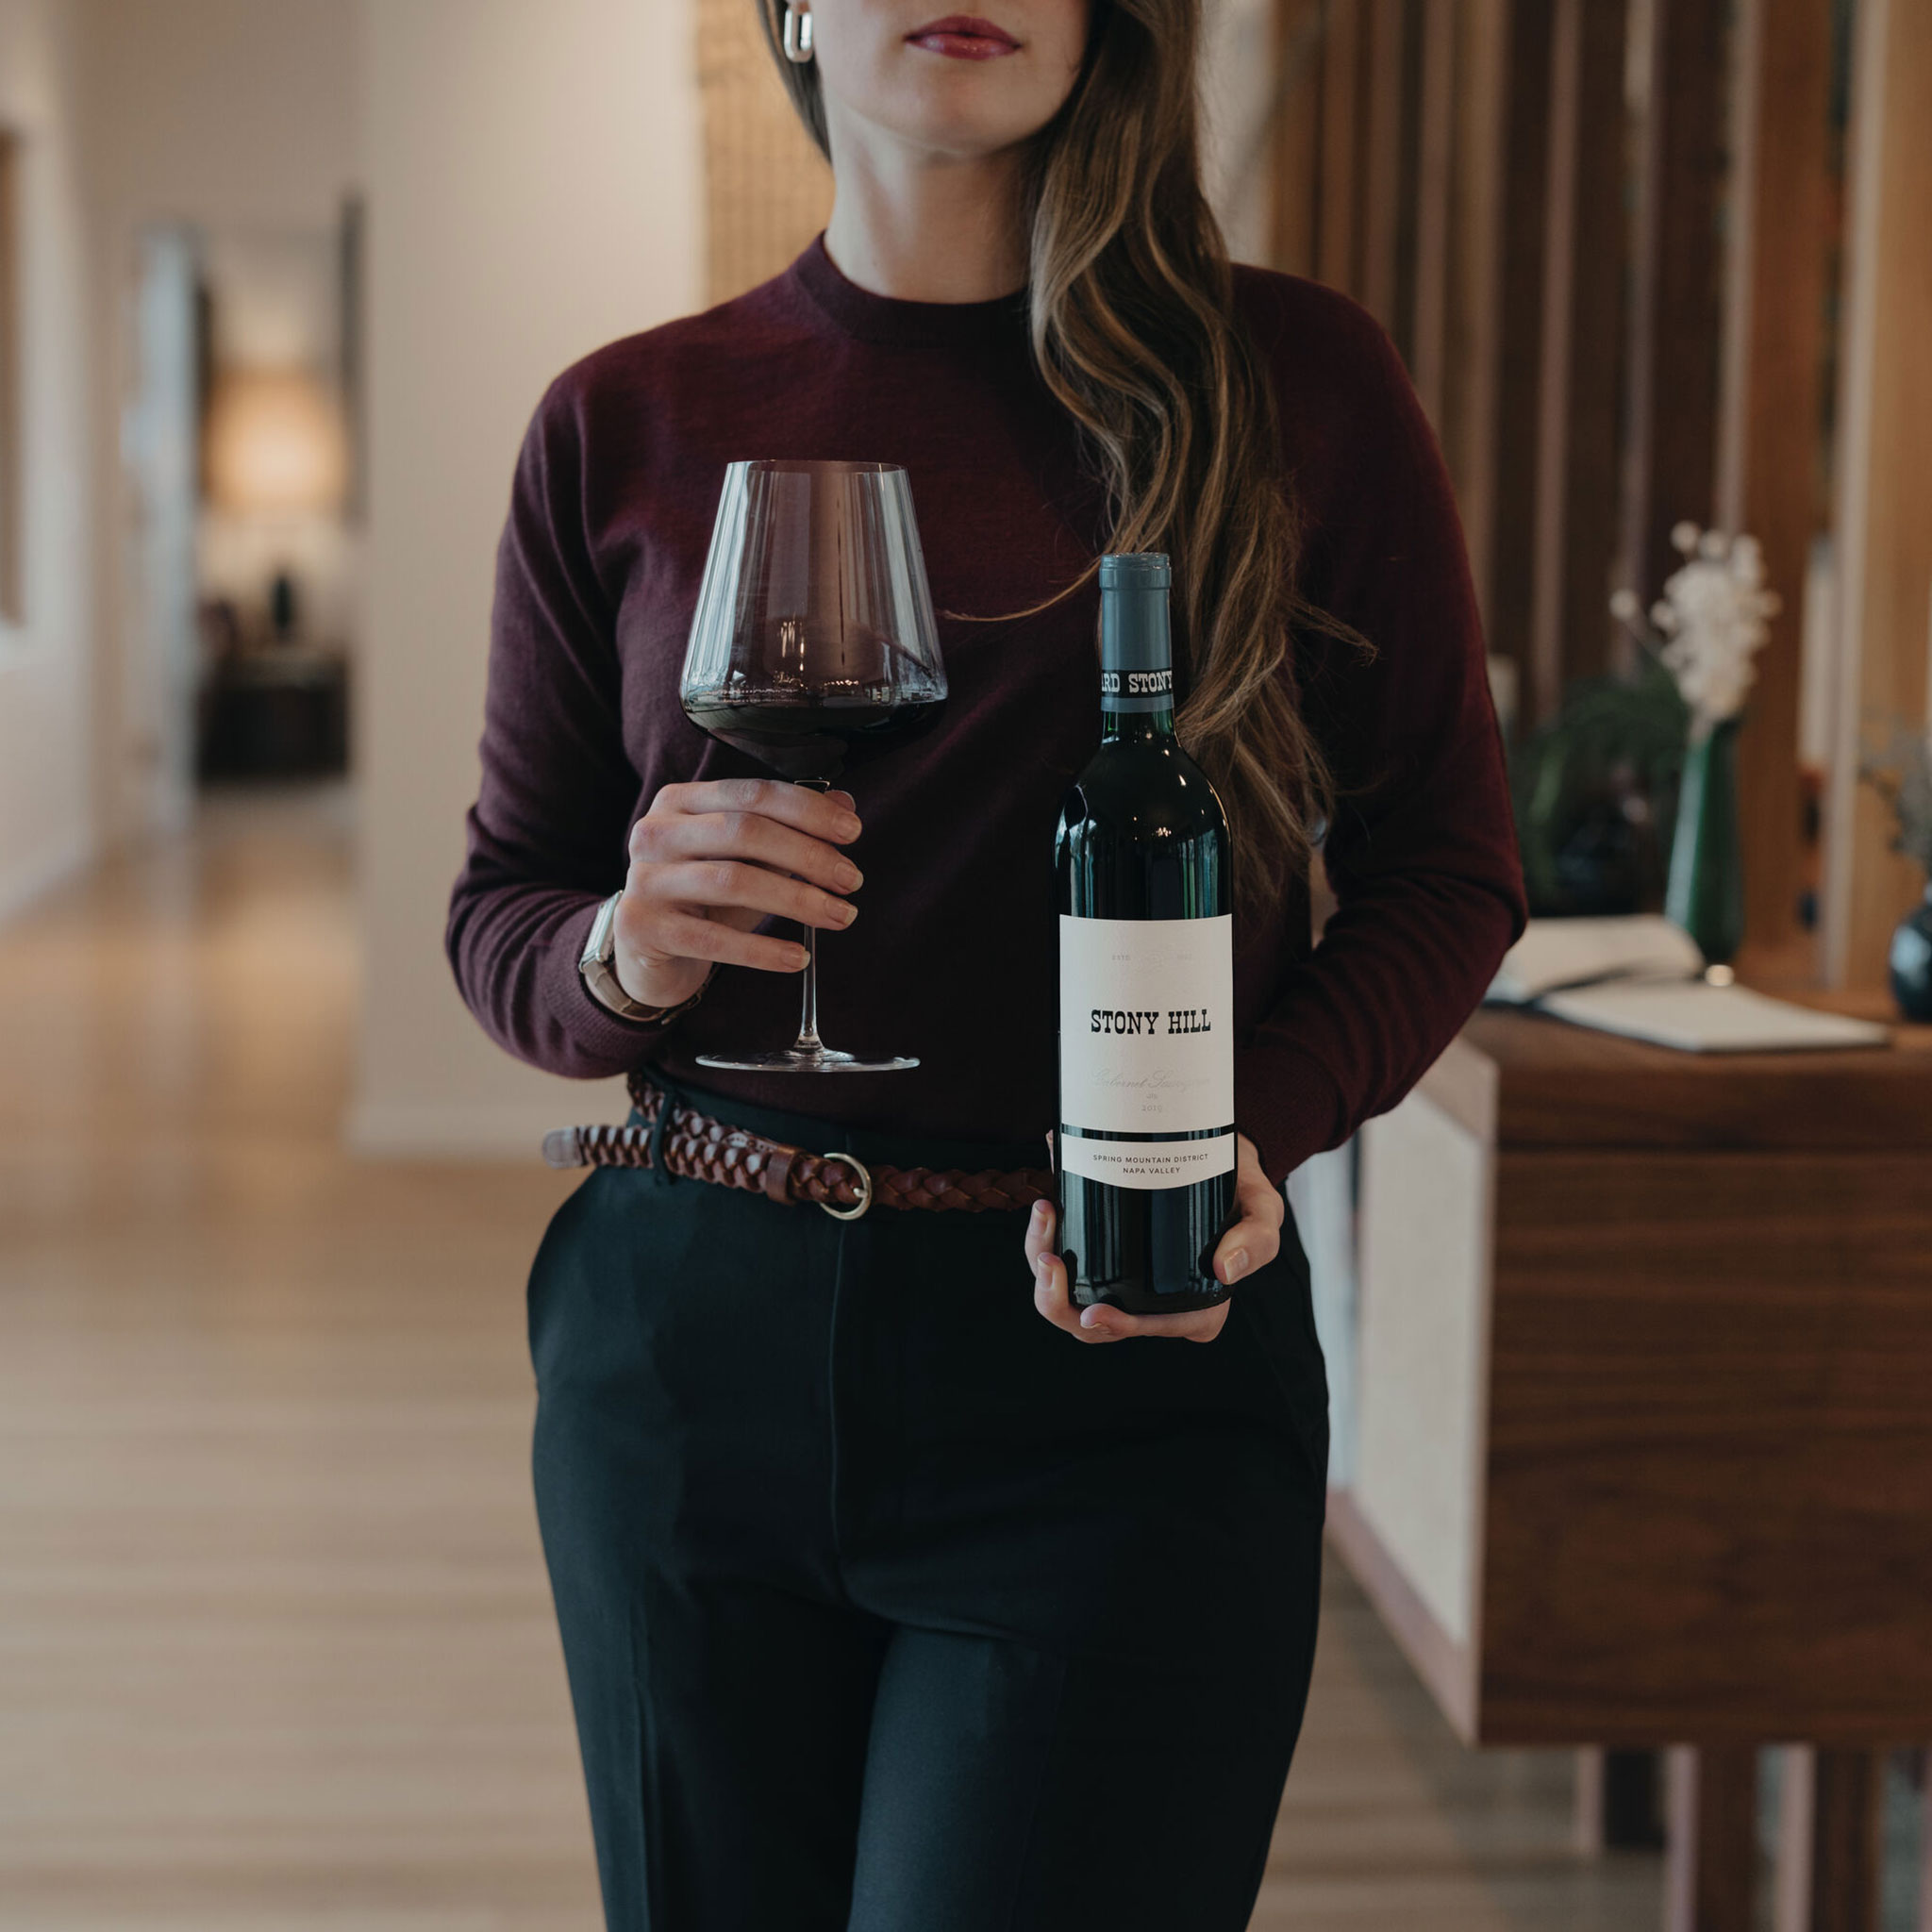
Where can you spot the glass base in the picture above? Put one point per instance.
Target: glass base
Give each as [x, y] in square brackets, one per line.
[794, 1059]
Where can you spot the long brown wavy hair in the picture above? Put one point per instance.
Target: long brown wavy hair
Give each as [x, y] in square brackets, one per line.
[1135, 332]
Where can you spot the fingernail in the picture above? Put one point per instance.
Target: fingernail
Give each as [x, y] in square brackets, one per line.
[1039, 1210]
[1236, 1264]
[849, 876]
[846, 826]
[845, 798]
[1090, 1318]
[799, 958]
[847, 912]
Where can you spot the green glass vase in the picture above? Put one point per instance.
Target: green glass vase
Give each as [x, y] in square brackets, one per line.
[1706, 891]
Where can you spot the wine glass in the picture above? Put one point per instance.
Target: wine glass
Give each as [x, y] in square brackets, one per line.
[813, 647]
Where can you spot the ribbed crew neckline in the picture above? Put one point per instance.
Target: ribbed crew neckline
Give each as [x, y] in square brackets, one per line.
[871, 317]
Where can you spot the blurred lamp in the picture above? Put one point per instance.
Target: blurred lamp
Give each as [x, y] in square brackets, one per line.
[275, 444]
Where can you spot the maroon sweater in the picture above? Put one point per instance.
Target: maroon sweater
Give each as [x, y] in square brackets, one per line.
[953, 956]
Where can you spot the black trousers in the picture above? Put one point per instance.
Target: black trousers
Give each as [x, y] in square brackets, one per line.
[889, 1606]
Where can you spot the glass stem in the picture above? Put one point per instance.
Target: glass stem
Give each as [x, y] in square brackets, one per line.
[808, 1040]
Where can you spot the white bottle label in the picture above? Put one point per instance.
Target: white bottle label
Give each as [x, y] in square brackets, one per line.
[1146, 1050]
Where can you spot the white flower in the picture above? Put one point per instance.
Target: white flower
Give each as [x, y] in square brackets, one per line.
[1710, 622]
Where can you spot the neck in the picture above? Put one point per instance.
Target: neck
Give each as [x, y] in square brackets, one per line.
[921, 225]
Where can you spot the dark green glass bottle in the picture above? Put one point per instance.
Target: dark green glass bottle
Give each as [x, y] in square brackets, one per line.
[1146, 1152]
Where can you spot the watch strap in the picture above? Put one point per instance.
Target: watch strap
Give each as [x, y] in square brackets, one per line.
[599, 971]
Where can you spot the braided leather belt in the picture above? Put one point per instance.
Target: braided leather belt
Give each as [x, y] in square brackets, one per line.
[696, 1147]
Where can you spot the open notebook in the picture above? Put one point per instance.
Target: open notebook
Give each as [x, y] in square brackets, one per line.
[1643, 977]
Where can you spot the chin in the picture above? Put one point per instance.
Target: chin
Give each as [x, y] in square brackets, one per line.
[959, 106]
[961, 140]
[948, 121]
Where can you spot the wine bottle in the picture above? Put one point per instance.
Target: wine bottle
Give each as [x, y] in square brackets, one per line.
[1146, 1152]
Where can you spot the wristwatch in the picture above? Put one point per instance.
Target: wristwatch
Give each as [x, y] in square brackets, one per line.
[600, 973]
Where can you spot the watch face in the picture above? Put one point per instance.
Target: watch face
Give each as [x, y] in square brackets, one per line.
[602, 945]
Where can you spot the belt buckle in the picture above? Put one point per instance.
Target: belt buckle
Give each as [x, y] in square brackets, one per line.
[864, 1201]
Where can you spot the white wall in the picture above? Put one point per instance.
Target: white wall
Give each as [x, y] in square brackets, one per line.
[227, 114]
[224, 116]
[533, 175]
[46, 820]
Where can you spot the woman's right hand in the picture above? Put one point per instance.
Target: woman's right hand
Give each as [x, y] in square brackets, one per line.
[709, 861]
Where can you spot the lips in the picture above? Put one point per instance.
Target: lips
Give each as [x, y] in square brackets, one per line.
[963, 36]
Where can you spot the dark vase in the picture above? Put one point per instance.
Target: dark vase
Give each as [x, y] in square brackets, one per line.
[1706, 891]
[1911, 960]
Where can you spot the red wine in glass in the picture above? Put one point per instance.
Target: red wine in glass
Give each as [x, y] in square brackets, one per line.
[810, 737]
[813, 649]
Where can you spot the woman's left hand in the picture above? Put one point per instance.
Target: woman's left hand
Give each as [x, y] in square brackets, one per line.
[1252, 1242]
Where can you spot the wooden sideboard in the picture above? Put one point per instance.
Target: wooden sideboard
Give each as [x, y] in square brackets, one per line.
[1643, 1448]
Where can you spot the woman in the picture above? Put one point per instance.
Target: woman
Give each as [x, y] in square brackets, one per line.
[886, 1602]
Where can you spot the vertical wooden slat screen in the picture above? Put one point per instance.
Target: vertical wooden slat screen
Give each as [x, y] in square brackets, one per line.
[1408, 174]
[1522, 236]
[1338, 196]
[1613, 304]
[1384, 70]
[767, 188]
[1467, 416]
[1884, 491]
[1483, 144]
[1435, 149]
[1671, 444]
[1295, 148]
[1541, 664]
[1578, 475]
[1769, 434]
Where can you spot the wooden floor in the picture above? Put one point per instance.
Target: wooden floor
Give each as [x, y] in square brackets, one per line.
[276, 1647]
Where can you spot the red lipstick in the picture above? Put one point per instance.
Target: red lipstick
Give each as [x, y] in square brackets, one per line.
[964, 37]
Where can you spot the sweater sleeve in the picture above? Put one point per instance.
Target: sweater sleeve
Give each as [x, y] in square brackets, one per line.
[547, 832]
[1421, 850]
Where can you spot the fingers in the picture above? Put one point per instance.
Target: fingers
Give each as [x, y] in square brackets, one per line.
[1252, 1242]
[1040, 1224]
[1050, 1274]
[827, 815]
[1100, 1323]
[1103, 1324]
[1253, 1192]
[685, 936]
[710, 860]
[1255, 1240]
[1050, 1284]
[726, 882]
[745, 836]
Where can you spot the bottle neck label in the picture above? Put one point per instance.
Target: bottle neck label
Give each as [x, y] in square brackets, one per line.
[1137, 689]
[1136, 657]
